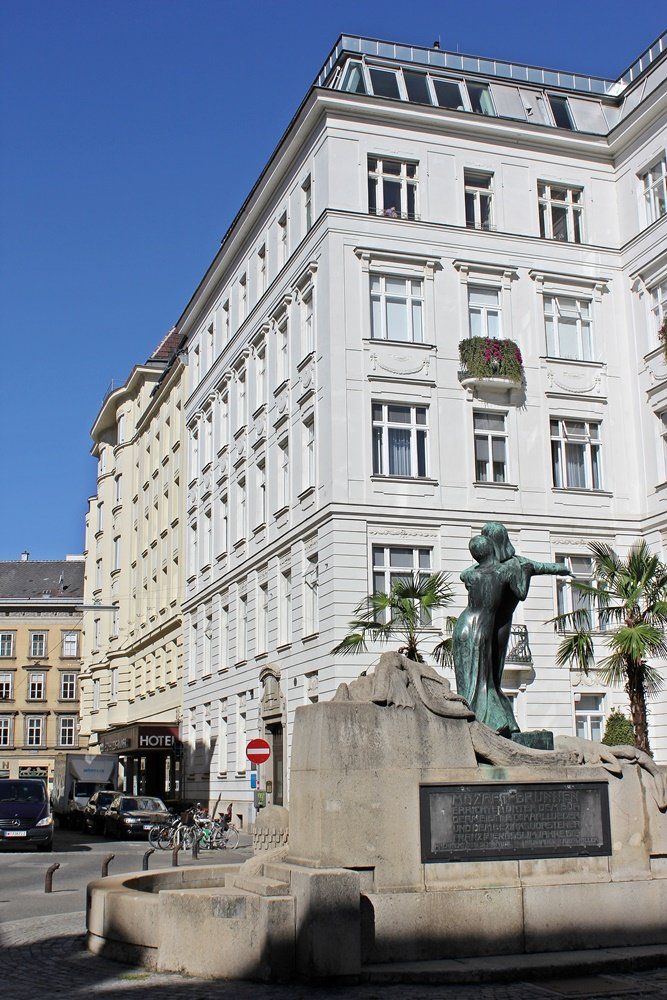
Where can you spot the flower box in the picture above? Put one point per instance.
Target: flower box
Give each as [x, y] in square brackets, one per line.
[484, 359]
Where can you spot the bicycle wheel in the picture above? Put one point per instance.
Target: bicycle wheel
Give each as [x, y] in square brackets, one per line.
[166, 838]
[154, 836]
[186, 837]
[231, 838]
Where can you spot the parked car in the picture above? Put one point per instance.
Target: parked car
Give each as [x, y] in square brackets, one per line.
[96, 809]
[25, 815]
[133, 815]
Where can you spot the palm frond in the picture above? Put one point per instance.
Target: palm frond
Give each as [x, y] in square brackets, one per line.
[577, 650]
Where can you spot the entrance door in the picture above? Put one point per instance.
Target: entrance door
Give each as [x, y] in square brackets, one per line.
[276, 732]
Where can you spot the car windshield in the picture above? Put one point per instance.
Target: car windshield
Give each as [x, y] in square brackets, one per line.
[22, 791]
[103, 799]
[152, 805]
[127, 805]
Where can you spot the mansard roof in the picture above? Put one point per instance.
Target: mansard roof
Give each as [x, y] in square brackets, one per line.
[37, 580]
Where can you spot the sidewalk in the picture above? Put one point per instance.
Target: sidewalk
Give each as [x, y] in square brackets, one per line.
[45, 957]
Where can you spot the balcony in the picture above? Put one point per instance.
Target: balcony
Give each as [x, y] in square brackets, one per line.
[518, 650]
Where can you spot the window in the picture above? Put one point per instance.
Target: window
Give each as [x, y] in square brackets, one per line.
[68, 686]
[207, 537]
[282, 239]
[120, 428]
[241, 509]
[208, 643]
[241, 400]
[575, 454]
[116, 552]
[100, 516]
[38, 645]
[6, 685]
[285, 605]
[260, 495]
[282, 349]
[662, 417]
[654, 184]
[67, 731]
[262, 617]
[222, 741]
[98, 574]
[225, 322]
[589, 716]
[561, 212]
[568, 327]
[96, 633]
[384, 82]
[192, 553]
[242, 628]
[34, 731]
[478, 199]
[241, 738]
[307, 326]
[261, 270]
[560, 110]
[283, 474]
[392, 564]
[484, 312]
[243, 298]
[399, 440]
[114, 683]
[490, 447]
[118, 488]
[658, 308]
[307, 193]
[353, 79]
[224, 637]
[396, 308]
[36, 686]
[310, 595]
[568, 598]
[308, 452]
[96, 694]
[260, 378]
[392, 188]
[7, 643]
[448, 94]
[416, 87]
[480, 98]
[6, 731]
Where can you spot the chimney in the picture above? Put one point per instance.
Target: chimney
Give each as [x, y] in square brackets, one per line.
[436, 43]
[25, 555]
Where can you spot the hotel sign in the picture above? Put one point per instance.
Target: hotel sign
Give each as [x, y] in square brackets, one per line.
[140, 738]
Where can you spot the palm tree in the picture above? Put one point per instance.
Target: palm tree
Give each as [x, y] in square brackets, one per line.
[402, 614]
[630, 598]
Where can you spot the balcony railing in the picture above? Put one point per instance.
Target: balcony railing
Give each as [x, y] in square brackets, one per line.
[518, 652]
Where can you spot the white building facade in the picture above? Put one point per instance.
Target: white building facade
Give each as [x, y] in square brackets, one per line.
[420, 197]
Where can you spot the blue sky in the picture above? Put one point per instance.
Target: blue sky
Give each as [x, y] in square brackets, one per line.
[130, 133]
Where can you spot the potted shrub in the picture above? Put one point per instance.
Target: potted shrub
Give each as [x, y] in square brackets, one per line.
[484, 358]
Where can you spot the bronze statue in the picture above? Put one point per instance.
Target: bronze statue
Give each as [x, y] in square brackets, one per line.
[495, 585]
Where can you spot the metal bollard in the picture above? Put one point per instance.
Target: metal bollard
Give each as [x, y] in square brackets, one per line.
[174, 856]
[105, 864]
[48, 881]
[144, 863]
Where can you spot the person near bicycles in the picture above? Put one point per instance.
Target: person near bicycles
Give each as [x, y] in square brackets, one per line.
[226, 818]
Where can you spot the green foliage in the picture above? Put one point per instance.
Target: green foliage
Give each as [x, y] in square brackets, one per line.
[618, 731]
[401, 615]
[484, 357]
[629, 606]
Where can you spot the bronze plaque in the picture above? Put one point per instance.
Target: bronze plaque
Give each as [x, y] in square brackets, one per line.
[502, 821]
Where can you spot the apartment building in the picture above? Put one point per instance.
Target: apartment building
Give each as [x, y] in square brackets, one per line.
[131, 684]
[40, 663]
[418, 198]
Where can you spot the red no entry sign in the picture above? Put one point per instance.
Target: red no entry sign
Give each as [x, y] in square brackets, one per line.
[258, 751]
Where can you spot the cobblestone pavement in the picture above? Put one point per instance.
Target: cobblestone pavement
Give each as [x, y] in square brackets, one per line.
[45, 957]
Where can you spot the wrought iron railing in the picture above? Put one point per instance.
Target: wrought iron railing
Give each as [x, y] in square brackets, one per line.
[518, 651]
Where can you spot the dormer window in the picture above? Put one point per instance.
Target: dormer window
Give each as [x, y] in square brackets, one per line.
[560, 110]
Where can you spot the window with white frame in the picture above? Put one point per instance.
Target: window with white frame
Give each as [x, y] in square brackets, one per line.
[484, 312]
[70, 643]
[223, 625]
[285, 607]
[397, 307]
[96, 694]
[392, 188]
[116, 552]
[567, 322]
[262, 617]
[206, 727]
[490, 433]
[97, 632]
[6, 730]
[207, 537]
[308, 452]
[568, 598]
[120, 429]
[118, 488]
[282, 239]
[66, 731]
[393, 564]
[589, 716]
[261, 270]
[207, 653]
[221, 523]
[576, 461]
[307, 323]
[243, 298]
[7, 644]
[662, 417]
[38, 645]
[241, 509]
[241, 733]
[260, 377]
[654, 188]
[208, 439]
[310, 595]
[115, 621]
[113, 683]
[283, 473]
[478, 199]
[6, 685]
[480, 98]
[561, 212]
[282, 349]
[226, 327]
[399, 440]
[68, 686]
[241, 400]
[658, 309]
[242, 628]
[98, 574]
[100, 516]
[307, 196]
[36, 686]
[222, 743]
[260, 491]
[34, 730]
[193, 555]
